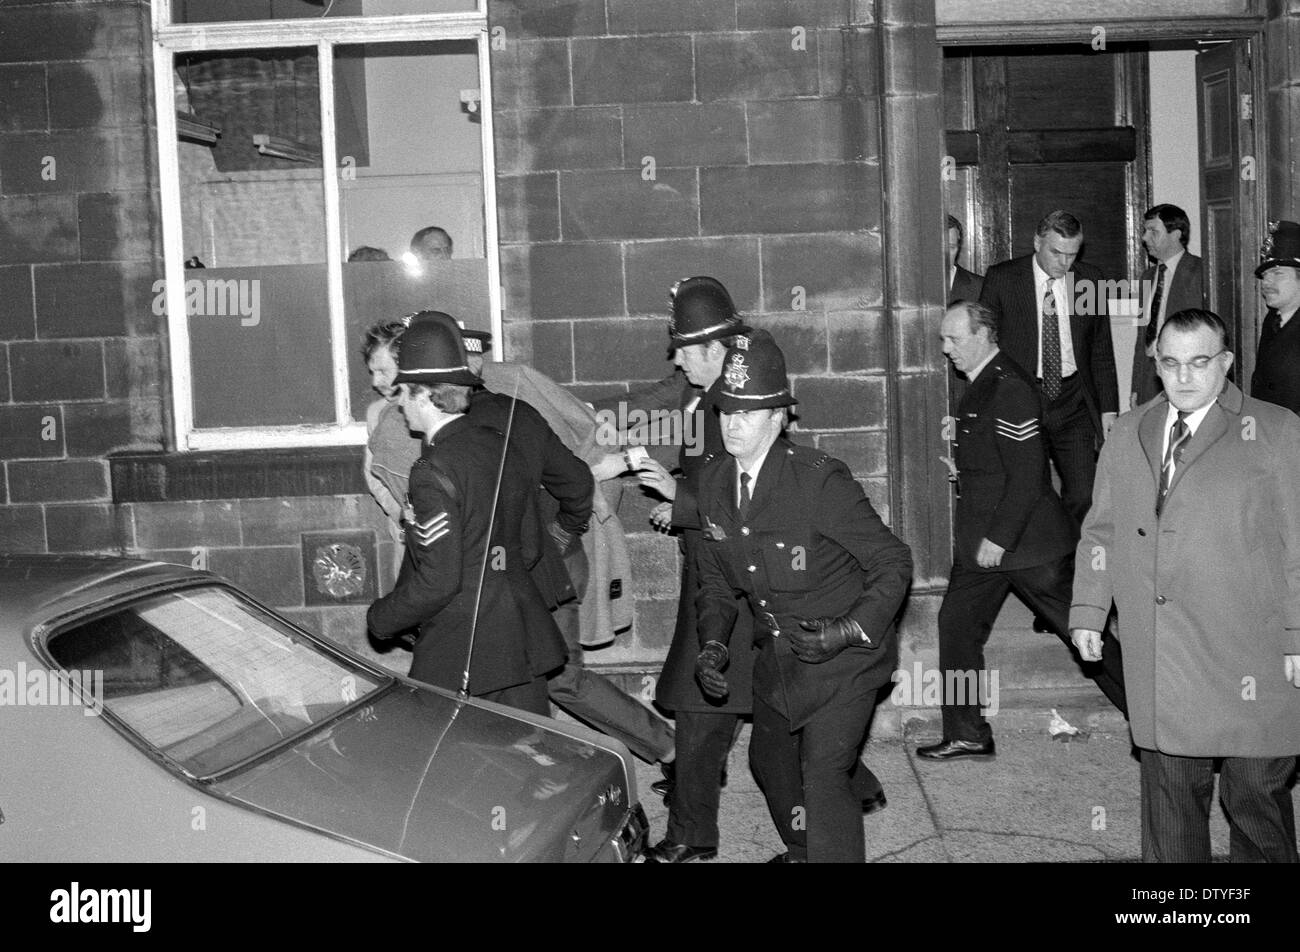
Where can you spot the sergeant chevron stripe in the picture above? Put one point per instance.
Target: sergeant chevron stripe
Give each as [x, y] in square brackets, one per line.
[430, 531]
[1018, 431]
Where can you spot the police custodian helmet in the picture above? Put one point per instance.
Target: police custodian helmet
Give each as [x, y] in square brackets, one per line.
[1281, 246]
[431, 350]
[702, 311]
[753, 375]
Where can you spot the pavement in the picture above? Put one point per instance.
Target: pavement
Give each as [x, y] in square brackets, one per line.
[1039, 800]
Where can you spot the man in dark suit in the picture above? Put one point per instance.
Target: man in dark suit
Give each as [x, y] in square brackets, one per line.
[1012, 532]
[963, 285]
[1277, 360]
[495, 624]
[1174, 283]
[1052, 321]
[1197, 524]
[789, 530]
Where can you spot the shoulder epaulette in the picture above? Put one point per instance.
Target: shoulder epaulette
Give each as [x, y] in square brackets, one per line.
[808, 456]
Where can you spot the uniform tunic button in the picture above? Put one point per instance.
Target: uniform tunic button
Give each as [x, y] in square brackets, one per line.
[744, 530]
[753, 568]
[1160, 599]
[762, 603]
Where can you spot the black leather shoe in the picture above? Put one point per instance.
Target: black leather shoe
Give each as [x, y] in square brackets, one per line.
[666, 851]
[783, 858]
[874, 803]
[665, 786]
[1042, 627]
[952, 749]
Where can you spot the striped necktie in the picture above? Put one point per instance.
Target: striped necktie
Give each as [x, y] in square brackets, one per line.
[1157, 296]
[1051, 346]
[1179, 434]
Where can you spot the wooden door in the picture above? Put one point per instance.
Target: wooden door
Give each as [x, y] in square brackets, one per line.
[1229, 166]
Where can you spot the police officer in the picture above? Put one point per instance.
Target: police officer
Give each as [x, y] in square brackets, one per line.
[703, 321]
[503, 634]
[1012, 529]
[788, 528]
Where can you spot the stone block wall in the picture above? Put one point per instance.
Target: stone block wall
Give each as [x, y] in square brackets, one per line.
[643, 141]
[80, 358]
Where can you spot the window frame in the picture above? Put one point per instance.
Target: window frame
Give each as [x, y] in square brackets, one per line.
[323, 35]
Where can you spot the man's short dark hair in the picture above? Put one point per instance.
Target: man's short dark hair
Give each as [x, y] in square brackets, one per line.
[1171, 216]
[979, 315]
[954, 223]
[447, 397]
[1194, 317]
[1063, 223]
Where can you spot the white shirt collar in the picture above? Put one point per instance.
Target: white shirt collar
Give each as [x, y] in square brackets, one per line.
[753, 473]
[429, 434]
[971, 375]
[1193, 419]
[1171, 263]
[1041, 277]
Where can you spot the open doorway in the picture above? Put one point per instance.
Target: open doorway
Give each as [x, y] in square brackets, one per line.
[1107, 134]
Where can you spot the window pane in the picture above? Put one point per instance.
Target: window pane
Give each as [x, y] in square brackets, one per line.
[253, 220]
[207, 679]
[410, 156]
[210, 11]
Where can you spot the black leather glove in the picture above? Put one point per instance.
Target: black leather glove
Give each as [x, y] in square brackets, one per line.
[565, 540]
[708, 669]
[820, 639]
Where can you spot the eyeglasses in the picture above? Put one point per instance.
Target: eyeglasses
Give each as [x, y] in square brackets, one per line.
[1169, 365]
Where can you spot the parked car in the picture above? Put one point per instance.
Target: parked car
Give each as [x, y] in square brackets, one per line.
[152, 712]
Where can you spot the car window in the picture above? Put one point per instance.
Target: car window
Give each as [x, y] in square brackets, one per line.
[208, 679]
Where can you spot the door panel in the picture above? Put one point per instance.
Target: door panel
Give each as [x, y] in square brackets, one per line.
[1226, 136]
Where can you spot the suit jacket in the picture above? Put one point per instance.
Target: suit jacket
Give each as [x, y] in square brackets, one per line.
[966, 286]
[1277, 364]
[1186, 289]
[452, 488]
[812, 546]
[1209, 592]
[1009, 291]
[1006, 493]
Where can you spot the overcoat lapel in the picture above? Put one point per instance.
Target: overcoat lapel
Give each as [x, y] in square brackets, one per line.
[1151, 436]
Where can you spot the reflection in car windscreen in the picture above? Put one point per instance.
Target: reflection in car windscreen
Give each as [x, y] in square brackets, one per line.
[208, 679]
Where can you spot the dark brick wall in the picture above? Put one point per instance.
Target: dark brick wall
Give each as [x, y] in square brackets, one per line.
[642, 142]
[80, 366]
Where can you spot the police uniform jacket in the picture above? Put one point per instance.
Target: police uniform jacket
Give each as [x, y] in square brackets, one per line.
[812, 546]
[547, 463]
[452, 487]
[1277, 364]
[1004, 484]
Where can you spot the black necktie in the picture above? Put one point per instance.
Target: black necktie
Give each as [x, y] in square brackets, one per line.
[744, 495]
[1153, 325]
[1272, 324]
[1179, 434]
[1051, 346]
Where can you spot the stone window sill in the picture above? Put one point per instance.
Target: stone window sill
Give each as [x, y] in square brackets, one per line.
[236, 474]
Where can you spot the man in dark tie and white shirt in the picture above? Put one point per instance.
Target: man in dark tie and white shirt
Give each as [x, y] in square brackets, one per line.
[1053, 323]
[1176, 283]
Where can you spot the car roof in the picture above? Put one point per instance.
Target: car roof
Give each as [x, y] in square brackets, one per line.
[36, 588]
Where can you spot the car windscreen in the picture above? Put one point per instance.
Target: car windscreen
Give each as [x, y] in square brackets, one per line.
[208, 679]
